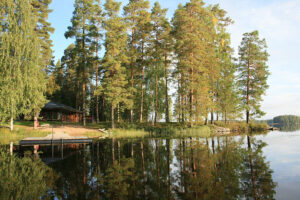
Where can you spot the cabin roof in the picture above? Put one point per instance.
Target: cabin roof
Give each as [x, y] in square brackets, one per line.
[58, 106]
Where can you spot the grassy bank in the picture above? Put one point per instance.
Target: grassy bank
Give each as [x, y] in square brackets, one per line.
[136, 130]
[6, 136]
[201, 131]
[243, 127]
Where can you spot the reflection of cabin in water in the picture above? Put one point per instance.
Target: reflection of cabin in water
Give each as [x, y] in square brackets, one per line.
[53, 111]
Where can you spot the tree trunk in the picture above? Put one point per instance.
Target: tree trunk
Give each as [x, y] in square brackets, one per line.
[143, 168]
[77, 95]
[248, 90]
[247, 116]
[142, 86]
[118, 112]
[11, 124]
[83, 100]
[167, 95]
[182, 98]
[212, 117]
[192, 81]
[131, 116]
[168, 164]
[113, 150]
[131, 75]
[83, 75]
[156, 98]
[97, 98]
[35, 122]
[225, 116]
[253, 181]
[112, 117]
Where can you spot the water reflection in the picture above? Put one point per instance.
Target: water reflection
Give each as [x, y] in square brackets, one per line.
[191, 168]
[289, 127]
[24, 178]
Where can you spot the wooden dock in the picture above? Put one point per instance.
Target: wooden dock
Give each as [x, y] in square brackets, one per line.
[58, 138]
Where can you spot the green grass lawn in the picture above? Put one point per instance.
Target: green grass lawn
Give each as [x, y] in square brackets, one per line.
[6, 136]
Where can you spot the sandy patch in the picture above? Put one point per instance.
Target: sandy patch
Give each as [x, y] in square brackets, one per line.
[72, 131]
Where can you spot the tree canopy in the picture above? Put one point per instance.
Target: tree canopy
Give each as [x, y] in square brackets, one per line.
[138, 66]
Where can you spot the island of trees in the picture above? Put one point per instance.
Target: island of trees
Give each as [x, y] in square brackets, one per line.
[286, 122]
[131, 65]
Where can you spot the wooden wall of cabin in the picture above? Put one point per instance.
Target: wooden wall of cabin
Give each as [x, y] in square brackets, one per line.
[61, 116]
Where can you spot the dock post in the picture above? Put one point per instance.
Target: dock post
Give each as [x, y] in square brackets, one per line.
[11, 148]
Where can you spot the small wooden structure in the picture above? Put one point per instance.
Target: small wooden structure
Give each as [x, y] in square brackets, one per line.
[58, 138]
[53, 111]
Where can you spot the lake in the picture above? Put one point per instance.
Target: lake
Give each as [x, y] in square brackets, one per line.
[240, 167]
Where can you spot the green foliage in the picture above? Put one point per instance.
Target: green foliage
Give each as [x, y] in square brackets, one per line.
[24, 178]
[160, 48]
[117, 177]
[258, 127]
[243, 127]
[146, 55]
[137, 19]
[115, 80]
[226, 94]
[84, 29]
[43, 29]
[194, 33]
[22, 79]
[253, 73]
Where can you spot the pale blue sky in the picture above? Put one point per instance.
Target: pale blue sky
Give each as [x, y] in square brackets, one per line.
[277, 20]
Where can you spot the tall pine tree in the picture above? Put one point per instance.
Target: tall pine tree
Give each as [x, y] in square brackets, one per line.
[160, 48]
[43, 29]
[193, 30]
[83, 30]
[137, 18]
[115, 79]
[253, 73]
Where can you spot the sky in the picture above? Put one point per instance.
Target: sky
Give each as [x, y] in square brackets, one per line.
[278, 21]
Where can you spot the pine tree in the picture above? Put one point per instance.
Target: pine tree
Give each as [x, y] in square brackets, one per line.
[63, 79]
[83, 30]
[253, 73]
[160, 51]
[55, 79]
[97, 29]
[226, 95]
[22, 79]
[115, 79]
[193, 30]
[137, 18]
[228, 100]
[43, 29]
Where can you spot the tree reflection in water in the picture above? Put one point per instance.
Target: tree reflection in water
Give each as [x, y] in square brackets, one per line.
[187, 168]
[24, 178]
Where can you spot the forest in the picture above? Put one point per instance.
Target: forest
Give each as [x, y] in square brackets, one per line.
[287, 122]
[131, 63]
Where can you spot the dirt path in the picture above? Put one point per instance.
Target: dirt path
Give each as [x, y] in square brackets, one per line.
[72, 131]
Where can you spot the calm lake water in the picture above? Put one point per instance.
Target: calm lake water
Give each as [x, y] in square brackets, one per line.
[240, 167]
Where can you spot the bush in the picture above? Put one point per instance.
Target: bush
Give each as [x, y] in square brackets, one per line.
[258, 127]
[243, 127]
